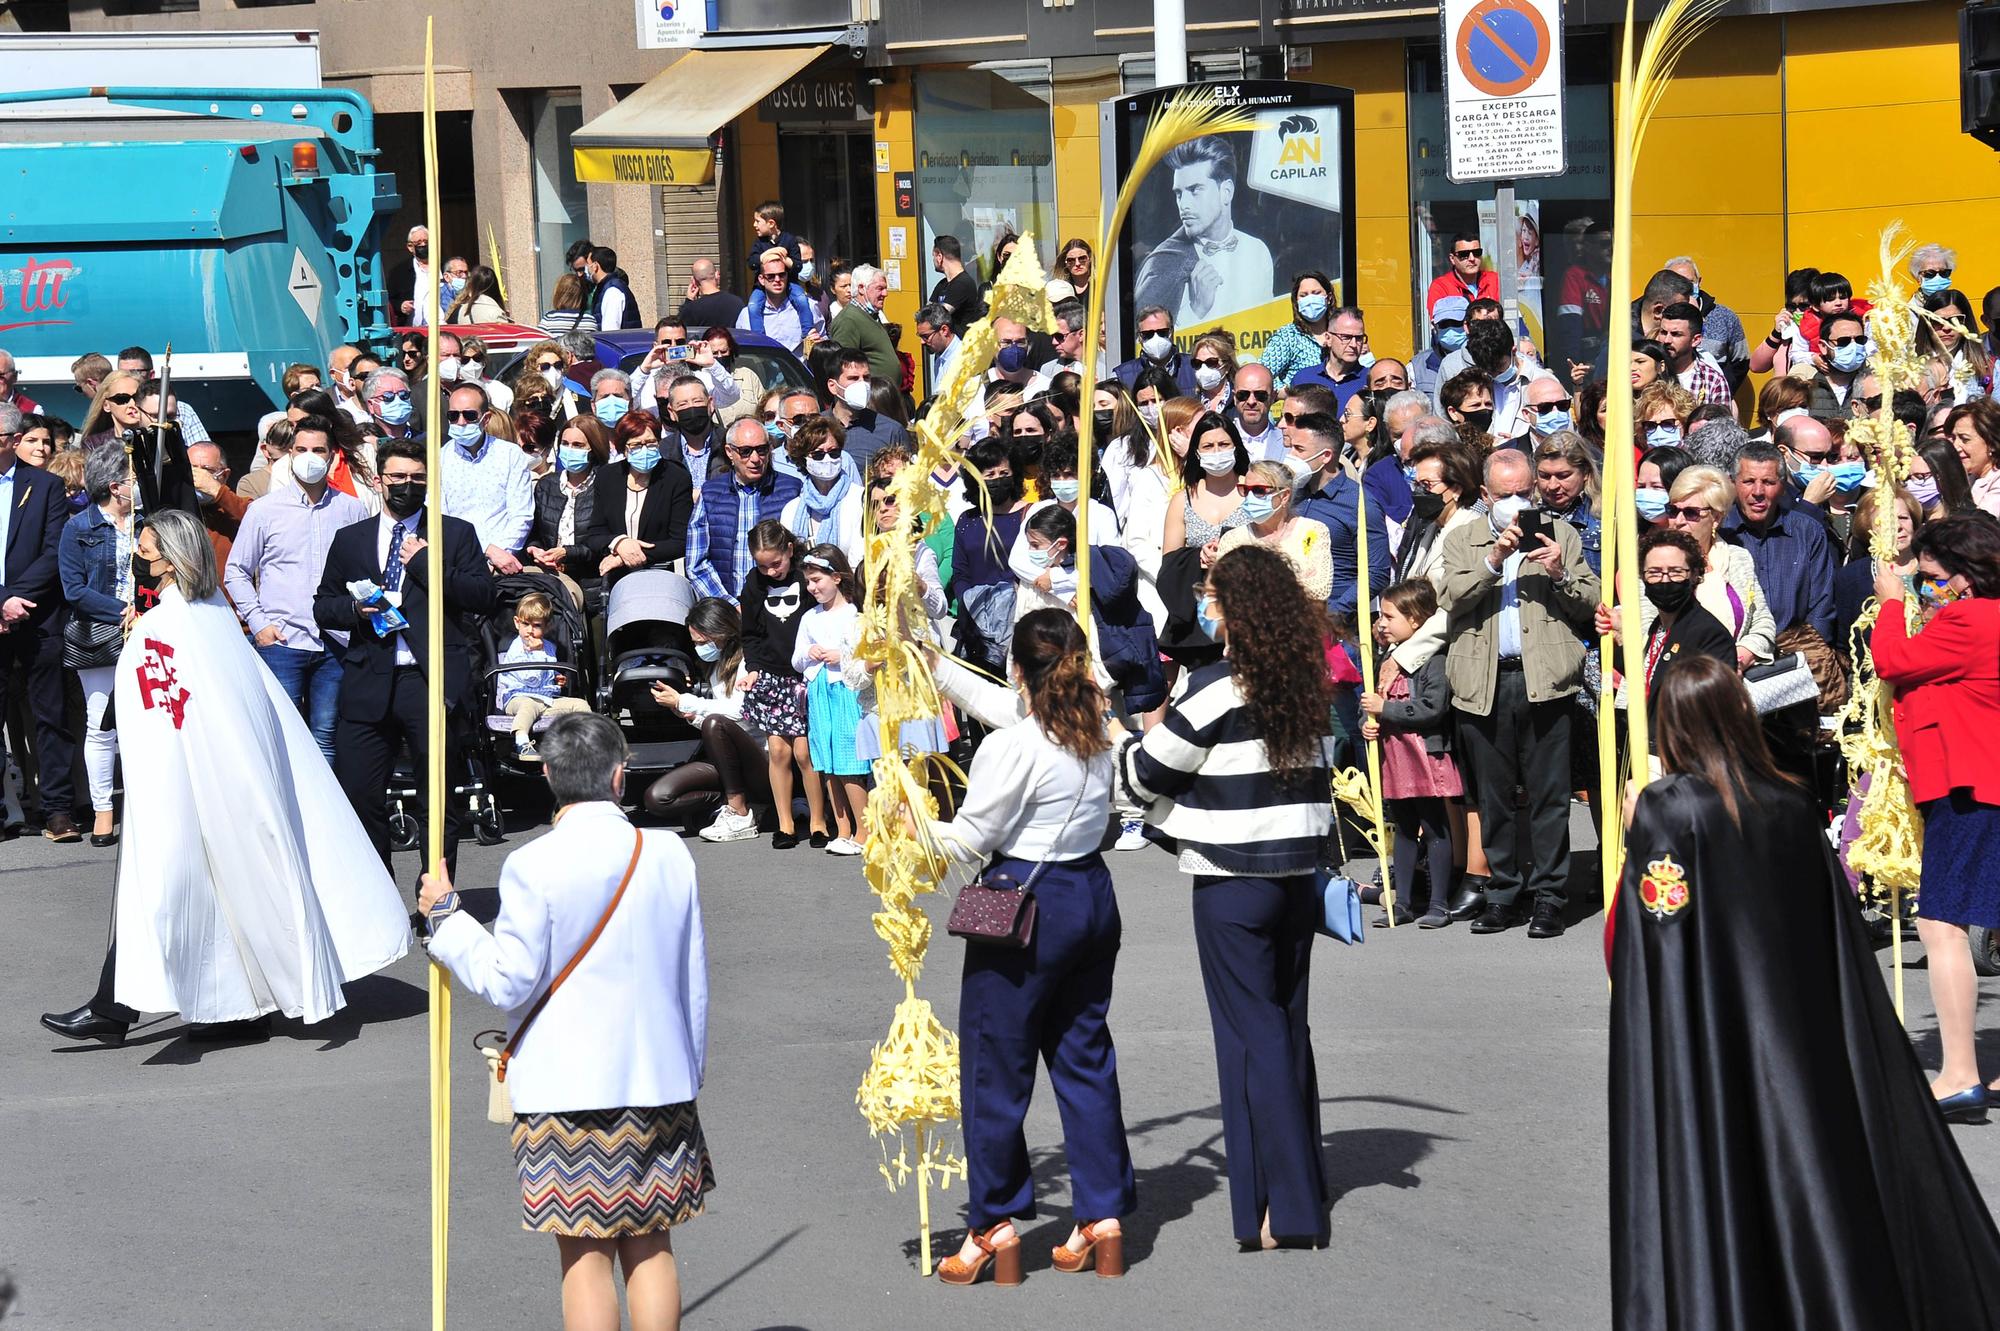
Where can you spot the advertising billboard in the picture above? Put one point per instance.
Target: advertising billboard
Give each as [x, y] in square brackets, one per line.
[1223, 224]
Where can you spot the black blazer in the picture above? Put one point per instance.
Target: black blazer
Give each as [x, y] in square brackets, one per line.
[663, 518]
[1695, 633]
[369, 663]
[34, 532]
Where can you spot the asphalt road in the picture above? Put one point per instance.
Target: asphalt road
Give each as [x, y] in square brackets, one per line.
[284, 1185]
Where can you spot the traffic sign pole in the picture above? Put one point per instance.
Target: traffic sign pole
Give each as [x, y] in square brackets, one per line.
[1507, 252]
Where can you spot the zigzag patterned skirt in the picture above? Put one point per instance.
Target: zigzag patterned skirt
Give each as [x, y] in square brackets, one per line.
[600, 1173]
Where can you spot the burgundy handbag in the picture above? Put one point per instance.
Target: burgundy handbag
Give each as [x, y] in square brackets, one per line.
[995, 909]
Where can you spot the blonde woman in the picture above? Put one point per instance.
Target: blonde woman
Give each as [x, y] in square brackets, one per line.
[1214, 358]
[1696, 504]
[114, 409]
[1304, 542]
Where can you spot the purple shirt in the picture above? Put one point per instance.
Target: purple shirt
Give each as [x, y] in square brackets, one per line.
[280, 552]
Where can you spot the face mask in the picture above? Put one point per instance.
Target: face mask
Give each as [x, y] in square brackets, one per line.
[1426, 505]
[1039, 556]
[692, 421]
[1217, 462]
[1661, 436]
[1065, 489]
[823, 469]
[1504, 510]
[611, 410]
[571, 458]
[552, 376]
[466, 434]
[1849, 476]
[857, 394]
[708, 651]
[775, 432]
[1450, 339]
[807, 270]
[1652, 502]
[1932, 286]
[1257, 508]
[1100, 424]
[1937, 592]
[448, 368]
[1805, 473]
[1208, 378]
[396, 410]
[470, 371]
[1209, 623]
[1012, 359]
[309, 468]
[1149, 412]
[1923, 489]
[1670, 598]
[1312, 307]
[79, 501]
[1850, 358]
[1507, 376]
[1480, 420]
[644, 458]
[1157, 346]
[1302, 471]
[423, 251]
[403, 498]
[1001, 493]
[1551, 422]
[1366, 359]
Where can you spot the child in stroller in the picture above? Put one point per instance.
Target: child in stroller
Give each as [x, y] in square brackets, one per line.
[529, 689]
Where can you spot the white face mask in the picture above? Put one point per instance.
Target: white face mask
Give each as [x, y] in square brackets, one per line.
[857, 395]
[1505, 510]
[310, 468]
[448, 369]
[1218, 461]
[1208, 377]
[470, 371]
[1157, 346]
[552, 376]
[823, 469]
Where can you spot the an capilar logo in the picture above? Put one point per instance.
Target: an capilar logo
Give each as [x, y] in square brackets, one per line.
[1302, 150]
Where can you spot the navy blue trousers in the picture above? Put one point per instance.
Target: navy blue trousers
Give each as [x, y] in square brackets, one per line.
[1047, 1001]
[1255, 937]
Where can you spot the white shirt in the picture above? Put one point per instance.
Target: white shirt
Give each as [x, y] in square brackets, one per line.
[385, 527]
[1268, 445]
[630, 1025]
[1022, 787]
[723, 390]
[494, 491]
[611, 314]
[1247, 278]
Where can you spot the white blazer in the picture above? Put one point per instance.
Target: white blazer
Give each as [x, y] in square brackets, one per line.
[630, 1025]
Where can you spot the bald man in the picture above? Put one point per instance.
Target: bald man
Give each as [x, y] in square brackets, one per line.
[1250, 395]
[707, 304]
[222, 508]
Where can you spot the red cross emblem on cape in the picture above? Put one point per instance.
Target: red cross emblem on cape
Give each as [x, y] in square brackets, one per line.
[160, 684]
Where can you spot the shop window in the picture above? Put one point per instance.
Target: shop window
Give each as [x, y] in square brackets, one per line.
[561, 216]
[1561, 225]
[985, 164]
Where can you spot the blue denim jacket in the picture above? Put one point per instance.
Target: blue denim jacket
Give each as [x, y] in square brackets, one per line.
[88, 558]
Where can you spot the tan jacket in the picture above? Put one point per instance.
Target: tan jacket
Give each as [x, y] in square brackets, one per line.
[1553, 614]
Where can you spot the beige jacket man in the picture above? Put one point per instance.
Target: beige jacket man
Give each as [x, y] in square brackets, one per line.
[1554, 612]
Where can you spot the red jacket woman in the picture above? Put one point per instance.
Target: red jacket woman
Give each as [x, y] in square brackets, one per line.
[1947, 683]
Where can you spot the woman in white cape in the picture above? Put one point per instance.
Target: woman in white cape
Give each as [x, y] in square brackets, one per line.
[246, 885]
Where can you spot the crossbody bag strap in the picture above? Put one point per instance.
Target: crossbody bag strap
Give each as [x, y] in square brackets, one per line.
[1074, 805]
[631, 865]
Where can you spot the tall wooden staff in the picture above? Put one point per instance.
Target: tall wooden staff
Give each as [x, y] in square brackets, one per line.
[435, 793]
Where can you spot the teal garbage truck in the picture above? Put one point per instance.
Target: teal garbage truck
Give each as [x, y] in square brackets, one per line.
[242, 228]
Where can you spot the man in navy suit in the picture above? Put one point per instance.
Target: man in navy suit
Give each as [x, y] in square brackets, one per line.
[32, 513]
[384, 677]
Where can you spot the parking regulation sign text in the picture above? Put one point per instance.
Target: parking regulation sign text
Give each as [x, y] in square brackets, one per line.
[1503, 88]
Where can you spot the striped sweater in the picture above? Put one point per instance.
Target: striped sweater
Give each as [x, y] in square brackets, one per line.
[1204, 779]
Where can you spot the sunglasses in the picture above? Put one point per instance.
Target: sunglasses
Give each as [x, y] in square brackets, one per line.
[397, 395]
[1689, 512]
[1845, 341]
[1258, 489]
[549, 365]
[1544, 408]
[1211, 362]
[122, 399]
[1253, 395]
[824, 453]
[750, 450]
[1935, 272]
[1468, 254]
[801, 418]
[671, 342]
[463, 417]
[1076, 260]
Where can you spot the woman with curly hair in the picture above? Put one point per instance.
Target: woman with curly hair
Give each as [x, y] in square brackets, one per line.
[1239, 773]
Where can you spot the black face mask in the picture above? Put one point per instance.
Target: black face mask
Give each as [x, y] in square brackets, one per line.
[1670, 598]
[1001, 494]
[1101, 422]
[692, 421]
[423, 252]
[403, 497]
[1481, 420]
[1426, 506]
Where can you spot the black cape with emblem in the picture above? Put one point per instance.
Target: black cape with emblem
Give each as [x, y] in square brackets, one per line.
[1776, 1158]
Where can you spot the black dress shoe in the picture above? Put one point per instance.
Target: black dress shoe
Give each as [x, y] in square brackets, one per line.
[219, 1032]
[61, 827]
[102, 839]
[1547, 921]
[1469, 900]
[84, 1024]
[1496, 919]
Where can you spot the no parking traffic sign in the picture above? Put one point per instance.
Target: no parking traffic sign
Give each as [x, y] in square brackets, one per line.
[1503, 81]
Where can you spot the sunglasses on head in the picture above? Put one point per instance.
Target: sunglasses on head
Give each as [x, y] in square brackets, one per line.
[463, 417]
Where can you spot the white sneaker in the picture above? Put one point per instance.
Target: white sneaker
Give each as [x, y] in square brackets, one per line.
[1131, 835]
[843, 846]
[731, 826]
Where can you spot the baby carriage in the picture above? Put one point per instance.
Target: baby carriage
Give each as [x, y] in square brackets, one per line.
[646, 643]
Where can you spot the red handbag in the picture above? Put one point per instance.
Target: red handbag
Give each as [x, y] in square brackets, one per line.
[996, 910]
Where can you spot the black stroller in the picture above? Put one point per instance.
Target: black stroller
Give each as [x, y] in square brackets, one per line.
[645, 643]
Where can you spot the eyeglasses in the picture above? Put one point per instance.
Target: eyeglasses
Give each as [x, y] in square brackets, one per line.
[1348, 337]
[10, 375]
[1253, 395]
[1846, 341]
[1211, 362]
[1430, 487]
[750, 450]
[1935, 272]
[1076, 260]
[1254, 489]
[1472, 253]
[404, 478]
[122, 399]
[833, 452]
[463, 417]
[1544, 408]
[1657, 575]
[1022, 342]
[1689, 512]
[549, 365]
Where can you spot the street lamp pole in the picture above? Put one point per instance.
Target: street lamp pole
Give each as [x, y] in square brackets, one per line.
[1169, 42]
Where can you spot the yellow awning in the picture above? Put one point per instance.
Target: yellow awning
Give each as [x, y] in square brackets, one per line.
[659, 135]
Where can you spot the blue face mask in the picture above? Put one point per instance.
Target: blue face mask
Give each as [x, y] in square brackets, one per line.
[1209, 623]
[1258, 507]
[611, 410]
[1932, 286]
[1551, 421]
[1806, 473]
[1659, 436]
[1065, 489]
[806, 271]
[1652, 502]
[1040, 556]
[708, 651]
[1450, 339]
[1410, 472]
[644, 458]
[571, 458]
[1851, 357]
[466, 434]
[79, 501]
[396, 409]
[1849, 476]
[1012, 359]
[1312, 307]
[1507, 376]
